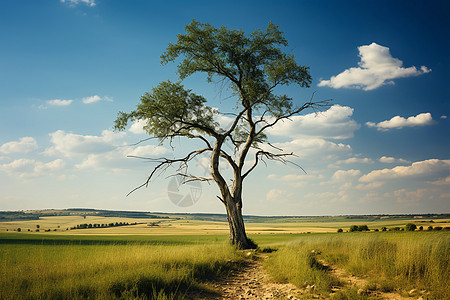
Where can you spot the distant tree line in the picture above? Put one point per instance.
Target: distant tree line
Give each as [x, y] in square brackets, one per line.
[116, 224]
[408, 227]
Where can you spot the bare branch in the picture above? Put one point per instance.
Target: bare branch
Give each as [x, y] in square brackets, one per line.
[164, 163]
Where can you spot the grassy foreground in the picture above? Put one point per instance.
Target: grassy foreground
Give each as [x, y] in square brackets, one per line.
[100, 268]
[166, 267]
[389, 261]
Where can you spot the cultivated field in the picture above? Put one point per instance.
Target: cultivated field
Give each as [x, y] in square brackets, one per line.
[179, 258]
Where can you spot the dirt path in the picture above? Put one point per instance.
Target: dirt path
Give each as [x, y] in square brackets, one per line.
[251, 282]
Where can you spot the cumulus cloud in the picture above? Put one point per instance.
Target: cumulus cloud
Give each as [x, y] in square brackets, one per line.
[95, 98]
[335, 123]
[59, 102]
[27, 168]
[413, 198]
[313, 146]
[345, 174]
[90, 3]
[376, 68]
[147, 151]
[391, 160]
[24, 145]
[398, 122]
[352, 160]
[138, 127]
[278, 196]
[70, 144]
[426, 168]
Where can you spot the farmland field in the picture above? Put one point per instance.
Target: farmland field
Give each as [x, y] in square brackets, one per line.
[177, 258]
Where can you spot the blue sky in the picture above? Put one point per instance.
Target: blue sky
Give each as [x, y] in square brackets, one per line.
[68, 67]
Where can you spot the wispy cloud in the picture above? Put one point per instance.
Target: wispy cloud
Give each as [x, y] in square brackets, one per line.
[59, 102]
[398, 122]
[90, 3]
[430, 168]
[376, 68]
[391, 160]
[24, 145]
[95, 98]
[27, 168]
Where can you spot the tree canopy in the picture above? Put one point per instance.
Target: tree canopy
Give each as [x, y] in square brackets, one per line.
[252, 66]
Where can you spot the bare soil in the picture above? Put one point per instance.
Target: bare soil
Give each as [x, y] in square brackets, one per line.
[250, 282]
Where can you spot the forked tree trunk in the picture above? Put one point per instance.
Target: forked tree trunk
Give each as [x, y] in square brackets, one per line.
[238, 237]
[232, 200]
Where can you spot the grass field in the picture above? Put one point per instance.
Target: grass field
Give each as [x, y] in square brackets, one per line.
[178, 255]
[388, 261]
[62, 224]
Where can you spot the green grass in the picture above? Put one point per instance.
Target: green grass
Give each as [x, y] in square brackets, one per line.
[110, 267]
[389, 260]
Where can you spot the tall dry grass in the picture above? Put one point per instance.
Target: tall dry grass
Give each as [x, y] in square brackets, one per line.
[130, 271]
[389, 261]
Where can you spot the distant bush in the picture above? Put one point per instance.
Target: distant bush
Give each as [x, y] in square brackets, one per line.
[430, 228]
[340, 230]
[395, 229]
[19, 229]
[410, 227]
[363, 228]
[438, 228]
[354, 228]
[420, 228]
[383, 228]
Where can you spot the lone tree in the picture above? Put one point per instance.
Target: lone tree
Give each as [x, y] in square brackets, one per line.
[252, 66]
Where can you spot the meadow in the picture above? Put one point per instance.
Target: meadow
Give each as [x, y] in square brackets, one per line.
[177, 258]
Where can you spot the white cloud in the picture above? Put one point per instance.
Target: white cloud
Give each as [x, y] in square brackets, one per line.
[376, 68]
[441, 181]
[345, 174]
[148, 151]
[443, 117]
[69, 144]
[372, 185]
[398, 122]
[335, 123]
[312, 146]
[296, 180]
[138, 127]
[391, 160]
[95, 98]
[24, 145]
[59, 102]
[26, 168]
[90, 3]
[426, 168]
[278, 196]
[352, 160]
[413, 198]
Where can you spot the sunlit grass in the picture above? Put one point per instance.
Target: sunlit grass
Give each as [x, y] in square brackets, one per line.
[127, 271]
[389, 261]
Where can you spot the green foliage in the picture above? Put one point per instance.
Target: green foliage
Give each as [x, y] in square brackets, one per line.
[410, 227]
[340, 230]
[353, 228]
[253, 64]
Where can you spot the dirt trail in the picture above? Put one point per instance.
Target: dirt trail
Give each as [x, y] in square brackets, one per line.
[251, 282]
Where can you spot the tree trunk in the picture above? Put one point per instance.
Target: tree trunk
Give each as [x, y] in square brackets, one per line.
[238, 237]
